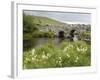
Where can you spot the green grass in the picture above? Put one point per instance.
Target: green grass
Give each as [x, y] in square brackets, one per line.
[44, 21]
[66, 54]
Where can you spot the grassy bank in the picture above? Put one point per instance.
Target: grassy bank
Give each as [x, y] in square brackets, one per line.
[66, 54]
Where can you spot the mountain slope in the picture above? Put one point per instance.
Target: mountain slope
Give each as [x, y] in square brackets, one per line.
[45, 21]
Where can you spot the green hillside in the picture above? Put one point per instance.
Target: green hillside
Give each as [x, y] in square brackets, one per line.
[44, 21]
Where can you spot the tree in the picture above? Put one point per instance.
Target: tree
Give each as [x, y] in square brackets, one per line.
[28, 28]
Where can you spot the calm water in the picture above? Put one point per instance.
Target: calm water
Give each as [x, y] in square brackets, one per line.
[38, 42]
[42, 41]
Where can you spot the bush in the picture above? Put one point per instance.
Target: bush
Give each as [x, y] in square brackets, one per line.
[85, 35]
[49, 34]
[39, 34]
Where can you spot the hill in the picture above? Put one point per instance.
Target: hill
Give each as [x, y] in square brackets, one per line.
[45, 21]
[46, 24]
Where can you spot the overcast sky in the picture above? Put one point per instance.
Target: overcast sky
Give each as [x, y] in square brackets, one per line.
[67, 17]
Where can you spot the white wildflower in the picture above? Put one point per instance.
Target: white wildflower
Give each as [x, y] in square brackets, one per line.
[70, 46]
[27, 59]
[44, 57]
[65, 49]
[78, 49]
[33, 58]
[60, 58]
[33, 51]
[81, 49]
[85, 49]
[68, 55]
[56, 61]
[60, 63]
[48, 54]
[77, 58]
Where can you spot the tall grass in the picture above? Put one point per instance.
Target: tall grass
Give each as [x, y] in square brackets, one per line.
[66, 54]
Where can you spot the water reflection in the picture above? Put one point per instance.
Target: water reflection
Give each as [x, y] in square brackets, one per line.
[38, 42]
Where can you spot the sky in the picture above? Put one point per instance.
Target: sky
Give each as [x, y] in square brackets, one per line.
[66, 17]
